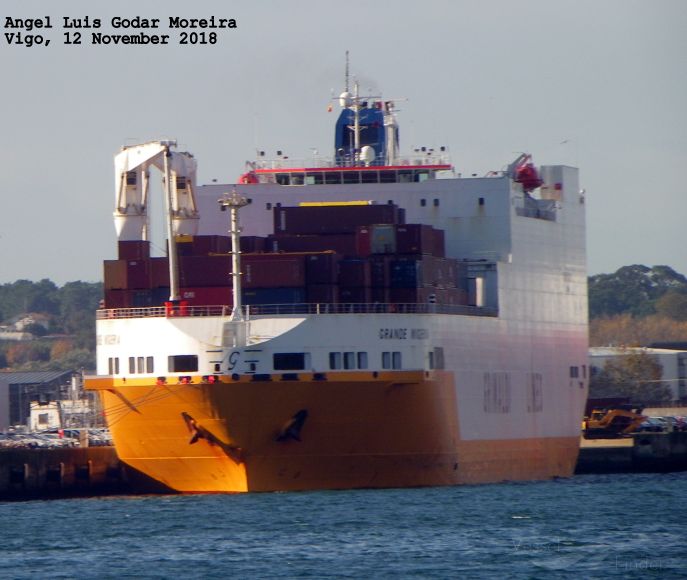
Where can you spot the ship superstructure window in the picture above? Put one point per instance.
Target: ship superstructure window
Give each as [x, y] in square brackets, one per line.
[290, 361]
[137, 365]
[497, 393]
[574, 372]
[535, 396]
[439, 357]
[351, 177]
[392, 360]
[423, 202]
[348, 360]
[268, 205]
[113, 366]
[334, 360]
[182, 363]
[396, 362]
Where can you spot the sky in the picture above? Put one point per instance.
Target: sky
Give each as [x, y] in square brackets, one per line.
[600, 85]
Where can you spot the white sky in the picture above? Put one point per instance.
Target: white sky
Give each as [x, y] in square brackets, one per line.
[601, 85]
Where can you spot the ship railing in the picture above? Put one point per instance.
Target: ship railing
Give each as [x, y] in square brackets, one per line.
[306, 309]
[415, 159]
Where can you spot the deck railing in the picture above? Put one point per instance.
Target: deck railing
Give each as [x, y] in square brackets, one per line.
[250, 311]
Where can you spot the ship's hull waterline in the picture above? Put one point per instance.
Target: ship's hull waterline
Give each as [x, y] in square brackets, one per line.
[341, 431]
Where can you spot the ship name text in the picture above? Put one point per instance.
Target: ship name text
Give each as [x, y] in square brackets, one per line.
[403, 333]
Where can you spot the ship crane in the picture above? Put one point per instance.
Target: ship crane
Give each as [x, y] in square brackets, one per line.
[132, 180]
[523, 171]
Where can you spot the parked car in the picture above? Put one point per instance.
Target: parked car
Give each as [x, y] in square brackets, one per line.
[651, 425]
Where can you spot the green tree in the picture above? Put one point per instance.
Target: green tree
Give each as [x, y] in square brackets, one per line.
[636, 375]
[632, 290]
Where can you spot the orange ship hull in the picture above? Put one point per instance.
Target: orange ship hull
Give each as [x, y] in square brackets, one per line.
[343, 431]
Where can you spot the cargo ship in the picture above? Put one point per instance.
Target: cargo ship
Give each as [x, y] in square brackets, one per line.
[373, 319]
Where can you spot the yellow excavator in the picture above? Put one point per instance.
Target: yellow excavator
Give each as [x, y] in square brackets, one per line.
[612, 422]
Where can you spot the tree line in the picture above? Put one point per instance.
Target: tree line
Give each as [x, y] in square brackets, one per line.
[66, 341]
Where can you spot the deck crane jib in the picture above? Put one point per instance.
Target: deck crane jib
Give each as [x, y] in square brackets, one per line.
[132, 181]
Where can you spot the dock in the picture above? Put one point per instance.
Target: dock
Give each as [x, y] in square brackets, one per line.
[68, 472]
[97, 471]
[639, 453]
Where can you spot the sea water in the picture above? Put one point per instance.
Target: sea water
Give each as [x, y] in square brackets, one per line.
[611, 526]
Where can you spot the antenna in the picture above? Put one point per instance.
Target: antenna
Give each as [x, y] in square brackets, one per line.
[346, 71]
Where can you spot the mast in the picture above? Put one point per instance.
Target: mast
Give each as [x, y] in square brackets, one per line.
[356, 120]
[173, 265]
[234, 202]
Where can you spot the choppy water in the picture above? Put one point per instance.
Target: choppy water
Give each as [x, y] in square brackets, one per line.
[619, 526]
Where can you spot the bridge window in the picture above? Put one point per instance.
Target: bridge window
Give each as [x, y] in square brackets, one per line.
[182, 363]
[289, 361]
[362, 360]
[349, 360]
[149, 364]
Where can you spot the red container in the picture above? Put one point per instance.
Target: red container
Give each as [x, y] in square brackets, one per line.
[133, 249]
[354, 272]
[126, 274]
[205, 245]
[202, 271]
[114, 275]
[138, 274]
[159, 272]
[252, 244]
[322, 293]
[354, 294]
[208, 296]
[117, 299]
[333, 219]
[363, 244]
[415, 239]
[322, 268]
[272, 270]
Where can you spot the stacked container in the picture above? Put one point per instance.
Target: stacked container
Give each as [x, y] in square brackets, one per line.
[318, 254]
